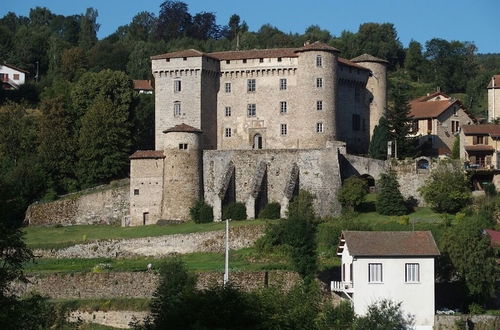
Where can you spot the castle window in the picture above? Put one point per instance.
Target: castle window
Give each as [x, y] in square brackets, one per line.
[244, 60]
[319, 127]
[251, 110]
[319, 105]
[251, 85]
[319, 61]
[227, 132]
[167, 60]
[283, 107]
[228, 61]
[227, 112]
[185, 58]
[183, 146]
[455, 126]
[284, 129]
[227, 87]
[177, 109]
[136, 192]
[356, 121]
[282, 84]
[177, 86]
[319, 82]
[261, 60]
[279, 59]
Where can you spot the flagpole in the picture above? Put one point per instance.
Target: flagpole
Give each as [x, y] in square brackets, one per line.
[226, 268]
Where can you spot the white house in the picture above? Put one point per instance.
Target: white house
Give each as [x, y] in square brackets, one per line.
[12, 77]
[389, 265]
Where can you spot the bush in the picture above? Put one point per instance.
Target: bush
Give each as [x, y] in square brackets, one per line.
[271, 211]
[389, 200]
[447, 188]
[352, 193]
[476, 309]
[384, 314]
[301, 206]
[201, 212]
[234, 211]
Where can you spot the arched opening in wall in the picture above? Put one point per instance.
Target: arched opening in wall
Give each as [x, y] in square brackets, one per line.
[370, 181]
[261, 200]
[230, 194]
[422, 164]
[257, 141]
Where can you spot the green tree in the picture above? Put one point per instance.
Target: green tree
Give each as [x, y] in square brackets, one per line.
[455, 151]
[384, 315]
[378, 144]
[139, 64]
[142, 26]
[143, 120]
[415, 61]
[17, 133]
[352, 193]
[389, 199]
[104, 143]
[472, 258]
[74, 62]
[88, 29]
[447, 188]
[108, 55]
[174, 20]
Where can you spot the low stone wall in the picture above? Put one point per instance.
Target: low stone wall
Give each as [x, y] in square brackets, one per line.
[476, 322]
[410, 179]
[107, 204]
[213, 241]
[139, 284]
[117, 319]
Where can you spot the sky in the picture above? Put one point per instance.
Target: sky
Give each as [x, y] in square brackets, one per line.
[420, 20]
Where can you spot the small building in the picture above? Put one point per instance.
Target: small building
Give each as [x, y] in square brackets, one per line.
[494, 98]
[398, 266]
[479, 146]
[143, 86]
[12, 77]
[437, 119]
[493, 236]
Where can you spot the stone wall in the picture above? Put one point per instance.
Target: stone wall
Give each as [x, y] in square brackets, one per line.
[410, 179]
[138, 284]
[476, 322]
[116, 319]
[107, 204]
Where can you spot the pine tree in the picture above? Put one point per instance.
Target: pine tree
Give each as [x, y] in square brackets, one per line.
[455, 151]
[378, 143]
[389, 200]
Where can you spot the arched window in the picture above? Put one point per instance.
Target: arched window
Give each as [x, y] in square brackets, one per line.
[257, 141]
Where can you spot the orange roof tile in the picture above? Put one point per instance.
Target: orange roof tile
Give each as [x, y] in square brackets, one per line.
[431, 109]
[145, 154]
[368, 58]
[350, 63]
[254, 53]
[182, 128]
[483, 129]
[479, 147]
[496, 80]
[143, 85]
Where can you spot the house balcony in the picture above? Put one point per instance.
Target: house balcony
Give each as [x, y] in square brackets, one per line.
[340, 286]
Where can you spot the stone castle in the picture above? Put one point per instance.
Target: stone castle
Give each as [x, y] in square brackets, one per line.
[254, 126]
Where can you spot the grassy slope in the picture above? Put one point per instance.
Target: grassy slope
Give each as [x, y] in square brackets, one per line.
[60, 237]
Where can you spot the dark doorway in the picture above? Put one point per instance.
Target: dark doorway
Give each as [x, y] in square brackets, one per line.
[145, 218]
[257, 141]
[230, 194]
[261, 200]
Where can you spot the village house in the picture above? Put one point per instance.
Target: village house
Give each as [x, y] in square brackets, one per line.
[143, 86]
[437, 119]
[479, 146]
[398, 266]
[12, 77]
[494, 98]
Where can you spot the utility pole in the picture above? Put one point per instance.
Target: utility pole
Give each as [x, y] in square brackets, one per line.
[36, 77]
[226, 267]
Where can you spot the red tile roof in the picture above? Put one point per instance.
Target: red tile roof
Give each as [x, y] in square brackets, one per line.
[318, 46]
[390, 243]
[144, 154]
[143, 85]
[430, 109]
[479, 147]
[483, 129]
[495, 79]
[182, 128]
[494, 236]
[350, 63]
[181, 53]
[368, 58]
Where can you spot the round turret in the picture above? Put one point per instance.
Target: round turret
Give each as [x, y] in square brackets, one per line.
[182, 171]
[376, 85]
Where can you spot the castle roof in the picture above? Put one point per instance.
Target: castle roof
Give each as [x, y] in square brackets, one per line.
[350, 63]
[389, 243]
[317, 46]
[181, 53]
[143, 85]
[368, 58]
[494, 80]
[254, 53]
[145, 154]
[182, 128]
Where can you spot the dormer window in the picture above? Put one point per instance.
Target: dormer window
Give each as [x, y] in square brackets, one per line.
[228, 61]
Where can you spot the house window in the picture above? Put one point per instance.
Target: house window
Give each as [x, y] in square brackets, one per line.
[319, 61]
[227, 132]
[356, 122]
[319, 105]
[282, 84]
[319, 82]
[227, 87]
[284, 129]
[183, 146]
[177, 86]
[251, 110]
[455, 126]
[4, 76]
[177, 109]
[479, 140]
[375, 273]
[16, 76]
[319, 127]
[283, 107]
[414, 126]
[227, 112]
[251, 85]
[412, 273]
[136, 192]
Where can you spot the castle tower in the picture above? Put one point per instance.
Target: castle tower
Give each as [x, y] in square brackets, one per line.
[318, 83]
[376, 86]
[494, 98]
[182, 174]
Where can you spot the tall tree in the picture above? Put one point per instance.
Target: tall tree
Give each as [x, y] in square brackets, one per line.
[174, 20]
[142, 26]
[390, 201]
[415, 61]
[204, 27]
[139, 64]
[88, 29]
[380, 137]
